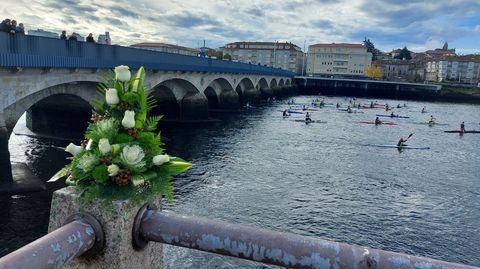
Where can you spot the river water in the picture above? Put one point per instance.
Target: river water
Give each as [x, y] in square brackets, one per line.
[321, 180]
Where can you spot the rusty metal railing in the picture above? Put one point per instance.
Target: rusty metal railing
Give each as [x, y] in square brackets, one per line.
[82, 235]
[277, 248]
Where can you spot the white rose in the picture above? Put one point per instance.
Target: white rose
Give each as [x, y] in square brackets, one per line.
[160, 159]
[104, 145]
[122, 73]
[128, 120]
[73, 149]
[113, 170]
[111, 96]
[133, 156]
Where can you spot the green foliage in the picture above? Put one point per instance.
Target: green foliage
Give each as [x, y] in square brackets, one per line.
[129, 153]
[404, 54]
[100, 174]
[152, 122]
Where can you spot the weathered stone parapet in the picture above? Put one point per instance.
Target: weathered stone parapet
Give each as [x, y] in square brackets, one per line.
[117, 223]
[229, 100]
[194, 107]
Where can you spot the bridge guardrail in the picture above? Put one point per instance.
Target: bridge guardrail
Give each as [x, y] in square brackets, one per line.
[44, 52]
[81, 235]
[270, 247]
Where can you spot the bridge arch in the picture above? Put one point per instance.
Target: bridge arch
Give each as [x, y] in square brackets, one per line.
[220, 94]
[179, 99]
[273, 83]
[281, 82]
[287, 81]
[53, 109]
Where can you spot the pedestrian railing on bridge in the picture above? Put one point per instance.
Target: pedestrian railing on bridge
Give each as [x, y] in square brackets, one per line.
[83, 235]
[43, 52]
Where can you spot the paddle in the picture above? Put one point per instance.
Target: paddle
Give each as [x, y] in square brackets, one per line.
[410, 135]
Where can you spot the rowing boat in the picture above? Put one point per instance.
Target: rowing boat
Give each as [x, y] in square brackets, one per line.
[383, 122]
[431, 123]
[398, 147]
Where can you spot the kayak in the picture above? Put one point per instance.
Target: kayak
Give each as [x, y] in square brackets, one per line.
[313, 121]
[394, 116]
[383, 122]
[308, 109]
[467, 132]
[295, 112]
[398, 147]
[431, 123]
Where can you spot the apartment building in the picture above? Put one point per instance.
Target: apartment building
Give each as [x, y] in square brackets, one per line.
[283, 55]
[460, 69]
[338, 59]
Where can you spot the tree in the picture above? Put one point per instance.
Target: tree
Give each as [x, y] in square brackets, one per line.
[404, 54]
[227, 57]
[371, 48]
[375, 72]
[215, 53]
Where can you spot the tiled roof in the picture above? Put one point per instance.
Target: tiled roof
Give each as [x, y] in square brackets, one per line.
[348, 45]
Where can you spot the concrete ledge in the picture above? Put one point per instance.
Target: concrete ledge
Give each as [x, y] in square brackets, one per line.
[23, 181]
[117, 223]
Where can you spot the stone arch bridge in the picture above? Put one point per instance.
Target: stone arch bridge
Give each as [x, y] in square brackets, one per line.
[54, 81]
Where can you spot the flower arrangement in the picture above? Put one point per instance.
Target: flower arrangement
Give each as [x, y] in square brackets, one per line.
[121, 156]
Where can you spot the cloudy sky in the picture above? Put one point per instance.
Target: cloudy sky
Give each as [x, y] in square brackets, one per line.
[418, 24]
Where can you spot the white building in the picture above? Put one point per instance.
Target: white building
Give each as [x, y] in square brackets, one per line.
[338, 59]
[41, 32]
[282, 55]
[461, 69]
[164, 47]
[104, 39]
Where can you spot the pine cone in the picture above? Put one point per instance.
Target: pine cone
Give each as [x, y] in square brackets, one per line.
[134, 132]
[105, 160]
[94, 117]
[123, 178]
[124, 106]
[84, 142]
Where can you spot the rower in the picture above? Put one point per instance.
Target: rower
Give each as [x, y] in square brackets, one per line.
[285, 113]
[307, 117]
[377, 121]
[349, 110]
[338, 105]
[392, 115]
[462, 127]
[424, 110]
[398, 106]
[371, 104]
[401, 142]
[386, 107]
[431, 120]
[304, 108]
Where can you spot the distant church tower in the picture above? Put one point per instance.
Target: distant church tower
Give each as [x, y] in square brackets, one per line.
[445, 46]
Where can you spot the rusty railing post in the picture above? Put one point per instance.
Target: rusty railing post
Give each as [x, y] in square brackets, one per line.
[82, 235]
[277, 248]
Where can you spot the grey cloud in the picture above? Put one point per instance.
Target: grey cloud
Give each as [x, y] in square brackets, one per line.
[114, 21]
[120, 11]
[188, 20]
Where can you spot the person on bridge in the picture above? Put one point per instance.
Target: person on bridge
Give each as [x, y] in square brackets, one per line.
[90, 38]
[73, 37]
[63, 35]
[377, 121]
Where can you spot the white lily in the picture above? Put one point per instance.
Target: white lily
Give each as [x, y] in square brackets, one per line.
[160, 159]
[73, 149]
